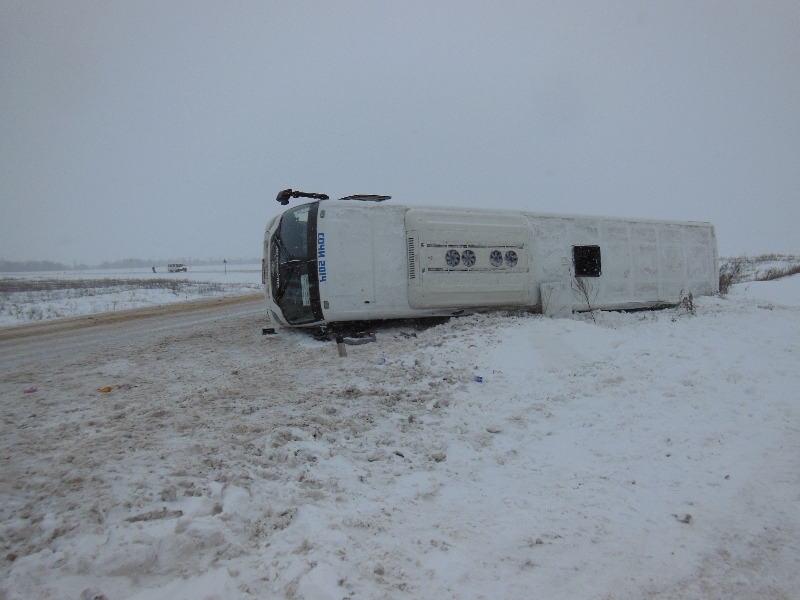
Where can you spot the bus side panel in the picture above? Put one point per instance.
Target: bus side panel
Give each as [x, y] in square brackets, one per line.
[702, 259]
[642, 263]
[467, 259]
[365, 261]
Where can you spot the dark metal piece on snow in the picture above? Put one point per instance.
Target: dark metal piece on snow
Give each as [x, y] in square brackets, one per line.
[323, 334]
[358, 339]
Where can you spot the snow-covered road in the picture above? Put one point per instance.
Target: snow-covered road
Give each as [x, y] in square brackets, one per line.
[644, 455]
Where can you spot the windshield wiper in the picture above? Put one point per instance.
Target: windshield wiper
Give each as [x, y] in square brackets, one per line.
[284, 284]
[290, 263]
[291, 266]
[282, 249]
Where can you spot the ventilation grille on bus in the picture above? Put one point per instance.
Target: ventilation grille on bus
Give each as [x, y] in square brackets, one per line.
[412, 260]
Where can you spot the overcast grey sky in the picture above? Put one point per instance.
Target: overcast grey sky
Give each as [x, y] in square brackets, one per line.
[165, 129]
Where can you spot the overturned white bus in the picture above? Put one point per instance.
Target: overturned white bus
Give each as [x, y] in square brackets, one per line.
[360, 258]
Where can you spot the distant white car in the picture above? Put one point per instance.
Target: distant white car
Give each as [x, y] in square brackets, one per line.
[177, 268]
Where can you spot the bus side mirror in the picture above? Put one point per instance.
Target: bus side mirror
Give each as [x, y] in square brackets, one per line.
[283, 196]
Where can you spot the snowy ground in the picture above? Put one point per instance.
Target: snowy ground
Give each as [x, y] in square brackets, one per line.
[640, 455]
[58, 294]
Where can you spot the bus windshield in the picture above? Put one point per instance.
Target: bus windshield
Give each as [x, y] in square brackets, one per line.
[293, 266]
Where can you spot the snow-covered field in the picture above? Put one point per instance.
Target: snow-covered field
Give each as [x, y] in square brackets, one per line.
[57, 294]
[621, 455]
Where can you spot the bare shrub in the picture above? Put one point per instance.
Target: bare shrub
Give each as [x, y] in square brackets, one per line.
[587, 293]
[778, 273]
[687, 303]
[730, 272]
[34, 313]
[756, 268]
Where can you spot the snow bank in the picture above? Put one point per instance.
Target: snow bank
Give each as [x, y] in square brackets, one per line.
[78, 293]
